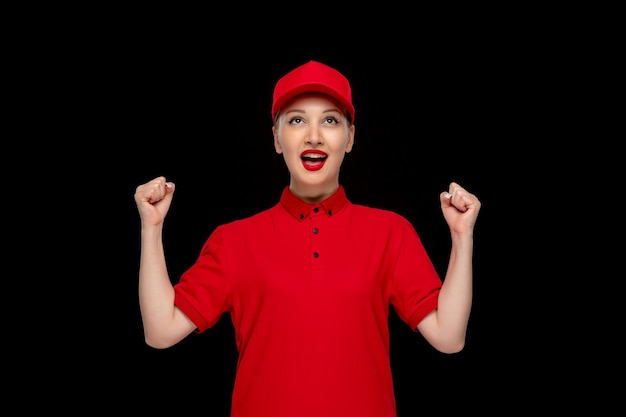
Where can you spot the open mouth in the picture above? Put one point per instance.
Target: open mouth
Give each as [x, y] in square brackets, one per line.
[313, 160]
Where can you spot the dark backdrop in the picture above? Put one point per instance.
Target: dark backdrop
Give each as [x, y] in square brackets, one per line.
[197, 110]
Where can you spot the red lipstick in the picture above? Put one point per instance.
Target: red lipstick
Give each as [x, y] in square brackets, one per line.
[313, 159]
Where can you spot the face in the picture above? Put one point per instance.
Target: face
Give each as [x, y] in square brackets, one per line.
[313, 134]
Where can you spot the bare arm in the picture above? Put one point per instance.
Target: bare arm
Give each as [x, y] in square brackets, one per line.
[164, 324]
[445, 328]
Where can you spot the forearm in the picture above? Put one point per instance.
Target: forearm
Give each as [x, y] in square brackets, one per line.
[156, 293]
[455, 297]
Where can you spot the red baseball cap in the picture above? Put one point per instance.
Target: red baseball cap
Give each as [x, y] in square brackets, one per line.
[313, 77]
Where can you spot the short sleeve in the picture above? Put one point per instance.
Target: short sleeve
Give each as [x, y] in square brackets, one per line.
[202, 292]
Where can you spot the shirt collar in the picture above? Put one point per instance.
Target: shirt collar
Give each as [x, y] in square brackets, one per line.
[300, 209]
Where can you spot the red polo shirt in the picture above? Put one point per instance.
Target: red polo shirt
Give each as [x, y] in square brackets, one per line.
[308, 288]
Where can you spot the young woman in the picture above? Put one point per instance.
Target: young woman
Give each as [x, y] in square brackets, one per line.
[308, 282]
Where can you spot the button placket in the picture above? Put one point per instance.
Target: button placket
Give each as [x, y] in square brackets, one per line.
[315, 235]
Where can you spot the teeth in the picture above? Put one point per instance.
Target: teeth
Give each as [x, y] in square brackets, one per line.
[313, 156]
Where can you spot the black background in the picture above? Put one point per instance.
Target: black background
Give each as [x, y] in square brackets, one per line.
[131, 103]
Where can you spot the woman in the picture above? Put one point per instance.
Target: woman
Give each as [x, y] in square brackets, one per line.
[308, 283]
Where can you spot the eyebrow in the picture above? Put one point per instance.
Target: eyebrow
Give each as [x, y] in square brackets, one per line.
[331, 110]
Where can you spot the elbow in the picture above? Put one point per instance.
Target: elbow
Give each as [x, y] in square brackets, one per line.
[157, 342]
[451, 349]
[450, 346]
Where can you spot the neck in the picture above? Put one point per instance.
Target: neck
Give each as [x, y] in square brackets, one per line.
[313, 194]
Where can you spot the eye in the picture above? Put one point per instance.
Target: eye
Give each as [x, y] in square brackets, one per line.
[295, 121]
[331, 120]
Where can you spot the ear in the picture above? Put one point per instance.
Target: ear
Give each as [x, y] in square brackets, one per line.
[279, 149]
[350, 142]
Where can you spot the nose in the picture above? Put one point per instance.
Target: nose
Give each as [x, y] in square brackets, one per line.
[314, 136]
